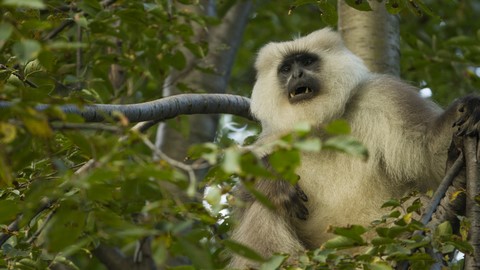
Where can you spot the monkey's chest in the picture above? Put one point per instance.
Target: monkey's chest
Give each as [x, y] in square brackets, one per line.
[341, 190]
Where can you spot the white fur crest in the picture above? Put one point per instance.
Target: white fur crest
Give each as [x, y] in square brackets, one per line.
[340, 72]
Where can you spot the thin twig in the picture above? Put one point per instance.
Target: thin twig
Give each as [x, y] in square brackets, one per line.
[442, 189]
[65, 24]
[79, 53]
[40, 230]
[13, 227]
[187, 168]
[87, 126]
[70, 22]
[430, 209]
[19, 76]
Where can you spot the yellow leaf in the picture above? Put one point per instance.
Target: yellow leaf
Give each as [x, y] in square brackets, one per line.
[456, 194]
[408, 218]
[37, 124]
[7, 132]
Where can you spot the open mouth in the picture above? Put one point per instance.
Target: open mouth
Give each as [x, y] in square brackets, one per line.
[301, 92]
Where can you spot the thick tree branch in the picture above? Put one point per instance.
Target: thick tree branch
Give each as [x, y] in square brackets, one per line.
[472, 261]
[112, 258]
[161, 109]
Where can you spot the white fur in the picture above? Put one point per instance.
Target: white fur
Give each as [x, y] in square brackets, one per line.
[407, 138]
[335, 91]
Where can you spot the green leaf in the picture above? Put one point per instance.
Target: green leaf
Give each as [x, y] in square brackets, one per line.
[462, 41]
[308, 145]
[353, 232]
[338, 127]
[8, 210]
[243, 250]
[394, 6]
[340, 242]
[37, 4]
[26, 49]
[381, 241]
[6, 30]
[391, 203]
[5, 74]
[8, 132]
[231, 161]
[379, 266]
[361, 5]
[176, 60]
[285, 162]
[253, 166]
[302, 127]
[273, 263]
[46, 59]
[199, 256]
[322, 255]
[348, 145]
[65, 227]
[214, 198]
[328, 12]
[64, 45]
[392, 232]
[198, 49]
[207, 151]
[31, 68]
[463, 246]
[37, 124]
[298, 3]
[90, 7]
[444, 229]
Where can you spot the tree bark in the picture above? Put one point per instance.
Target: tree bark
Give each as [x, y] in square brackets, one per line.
[157, 110]
[372, 35]
[223, 42]
[472, 261]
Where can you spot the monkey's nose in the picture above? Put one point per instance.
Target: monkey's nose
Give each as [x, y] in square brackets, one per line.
[297, 74]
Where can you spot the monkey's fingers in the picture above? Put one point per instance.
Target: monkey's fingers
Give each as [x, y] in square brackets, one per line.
[301, 194]
[302, 213]
[468, 124]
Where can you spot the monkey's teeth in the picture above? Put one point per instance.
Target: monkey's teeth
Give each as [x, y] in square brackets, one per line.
[292, 95]
[308, 90]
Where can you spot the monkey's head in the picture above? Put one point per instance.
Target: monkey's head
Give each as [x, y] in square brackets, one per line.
[309, 79]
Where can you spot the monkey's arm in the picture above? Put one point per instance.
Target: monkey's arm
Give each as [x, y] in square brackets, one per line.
[462, 117]
[407, 135]
[265, 231]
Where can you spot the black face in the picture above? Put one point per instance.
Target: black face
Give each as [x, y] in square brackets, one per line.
[296, 74]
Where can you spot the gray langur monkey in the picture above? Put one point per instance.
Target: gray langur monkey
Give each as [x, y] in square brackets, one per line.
[316, 79]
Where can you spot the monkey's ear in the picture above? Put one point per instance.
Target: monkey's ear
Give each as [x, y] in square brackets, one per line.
[267, 56]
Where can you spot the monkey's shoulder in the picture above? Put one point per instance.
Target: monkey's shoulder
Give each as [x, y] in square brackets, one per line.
[394, 98]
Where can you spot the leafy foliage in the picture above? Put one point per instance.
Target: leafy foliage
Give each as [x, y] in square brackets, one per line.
[75, 191]
[387, 240]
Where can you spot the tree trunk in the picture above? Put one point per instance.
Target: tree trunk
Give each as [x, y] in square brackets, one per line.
[372, 35]
[223, 42]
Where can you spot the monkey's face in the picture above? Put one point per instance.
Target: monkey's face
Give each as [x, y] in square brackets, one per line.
[297, 72]
[309, 79]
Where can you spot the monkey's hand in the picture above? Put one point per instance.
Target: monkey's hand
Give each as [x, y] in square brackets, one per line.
[468, 121]
[288, 199]
[300, 210]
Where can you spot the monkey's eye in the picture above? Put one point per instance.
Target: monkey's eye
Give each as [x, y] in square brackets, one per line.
[285, 68]
[306, 61]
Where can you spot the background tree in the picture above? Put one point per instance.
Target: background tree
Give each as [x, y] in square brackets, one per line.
[67, 194]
